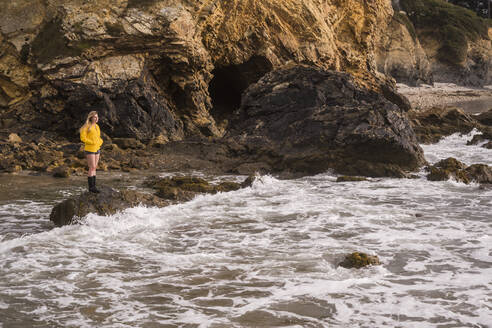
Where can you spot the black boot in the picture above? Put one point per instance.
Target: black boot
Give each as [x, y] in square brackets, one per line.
[92, 184]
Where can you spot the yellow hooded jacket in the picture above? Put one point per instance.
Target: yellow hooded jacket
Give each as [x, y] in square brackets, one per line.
[91, 139]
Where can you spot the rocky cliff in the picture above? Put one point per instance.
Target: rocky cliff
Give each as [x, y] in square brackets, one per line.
[433, 40]
[168, 69]
[400, 55]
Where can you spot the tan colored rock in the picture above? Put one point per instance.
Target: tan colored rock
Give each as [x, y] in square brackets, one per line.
[156, 59]
[400, 54]
[14, 138]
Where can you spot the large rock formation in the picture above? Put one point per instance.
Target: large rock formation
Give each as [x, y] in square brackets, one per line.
[307, 120]
[456, 41]
[400, 54]
[167, 69]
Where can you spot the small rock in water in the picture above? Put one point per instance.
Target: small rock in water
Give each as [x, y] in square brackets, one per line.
[346, 178]
[359, 260]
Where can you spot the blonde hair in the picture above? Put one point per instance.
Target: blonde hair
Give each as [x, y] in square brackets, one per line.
[87, 123]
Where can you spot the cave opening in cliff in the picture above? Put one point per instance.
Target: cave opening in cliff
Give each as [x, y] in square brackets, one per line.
[229, 82]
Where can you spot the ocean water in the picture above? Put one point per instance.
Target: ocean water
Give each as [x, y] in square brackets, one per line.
[264, 256]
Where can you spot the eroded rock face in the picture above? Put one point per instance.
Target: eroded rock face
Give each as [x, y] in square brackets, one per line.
[400, 54]
[455, 40]
[108, 202]
[148, 66]
[305, 119]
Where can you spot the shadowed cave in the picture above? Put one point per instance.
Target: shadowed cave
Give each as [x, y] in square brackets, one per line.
[229, 82]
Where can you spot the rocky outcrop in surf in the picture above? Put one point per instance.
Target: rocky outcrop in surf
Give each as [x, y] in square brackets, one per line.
[451, 168]
[108, 202]
[169, 190]
[307, 120]
[359, 260]
[435, 123]
[186, 188]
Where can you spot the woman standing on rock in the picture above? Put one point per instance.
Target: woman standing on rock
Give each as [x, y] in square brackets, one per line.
[90, 134]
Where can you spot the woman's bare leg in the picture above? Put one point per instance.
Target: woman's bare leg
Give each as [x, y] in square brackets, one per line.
[96, 161]
[91, 162]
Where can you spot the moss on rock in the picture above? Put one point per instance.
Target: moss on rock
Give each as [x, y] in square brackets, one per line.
[452, 26]
[359, 260]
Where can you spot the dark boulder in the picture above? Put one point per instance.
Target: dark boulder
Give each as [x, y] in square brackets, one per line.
[359, 260]
[485, 118]
[446, 169]
[435, 123]
[452, 168]
[62, 172]
[127, 108]
[307, 120]
[108, 202]
[480, 173]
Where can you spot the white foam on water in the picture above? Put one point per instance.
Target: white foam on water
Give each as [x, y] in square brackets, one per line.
[267, 253]
[455, 146]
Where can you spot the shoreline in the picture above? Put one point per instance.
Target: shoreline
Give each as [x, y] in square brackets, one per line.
[471, 100]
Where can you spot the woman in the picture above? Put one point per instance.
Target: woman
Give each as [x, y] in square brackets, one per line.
[90, 134]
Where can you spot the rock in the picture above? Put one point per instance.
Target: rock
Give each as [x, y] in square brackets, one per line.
[108, 202]
[447, 169]
[227, 186]
[452, 168]
[480, 173]
[346, 178]
[61, 172]
[13, 169]
[435, 123]
[249, 181]
[400, 54]
[396, 98]
[14, 138]
[128, 143]
[252, 168]
[305, 119]
[359, 260]
[186, 188]
[485, 118]
[159, 141]
[170, 68]
[459, 48]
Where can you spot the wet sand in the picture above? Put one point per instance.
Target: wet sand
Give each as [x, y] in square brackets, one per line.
[471, 100]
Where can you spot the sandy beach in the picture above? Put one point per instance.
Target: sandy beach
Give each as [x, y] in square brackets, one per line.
[471, 100]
